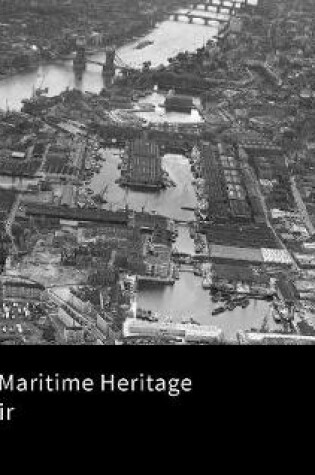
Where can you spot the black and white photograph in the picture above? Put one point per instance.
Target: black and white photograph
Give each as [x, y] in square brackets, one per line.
[157, 173]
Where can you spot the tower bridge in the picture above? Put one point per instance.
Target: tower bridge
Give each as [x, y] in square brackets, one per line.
[209, 11]
[109, 66]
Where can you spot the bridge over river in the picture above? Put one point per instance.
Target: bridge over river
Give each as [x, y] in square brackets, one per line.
[210, 11]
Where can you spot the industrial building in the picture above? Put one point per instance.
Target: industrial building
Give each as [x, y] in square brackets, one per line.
[178, 103]
[250, 255]
[255, 338]
[18, 289]
[189, 333]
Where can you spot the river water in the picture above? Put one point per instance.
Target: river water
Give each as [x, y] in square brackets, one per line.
[187, 297]
[169, 38]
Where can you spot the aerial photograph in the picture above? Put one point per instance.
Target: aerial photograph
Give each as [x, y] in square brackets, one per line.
[157, 171]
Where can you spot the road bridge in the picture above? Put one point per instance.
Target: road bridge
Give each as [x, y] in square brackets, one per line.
[218, 4]
[103, 65]
[207, 17]
[217, 7]
[210, 11]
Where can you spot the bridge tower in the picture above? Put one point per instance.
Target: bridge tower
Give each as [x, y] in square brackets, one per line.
[79, 62]
[109, 66]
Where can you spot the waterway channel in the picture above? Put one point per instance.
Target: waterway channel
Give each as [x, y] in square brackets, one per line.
[187, 297]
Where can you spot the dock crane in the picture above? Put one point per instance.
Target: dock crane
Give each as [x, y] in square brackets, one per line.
[101, 196]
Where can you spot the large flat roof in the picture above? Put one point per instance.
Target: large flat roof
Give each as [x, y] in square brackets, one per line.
[76, 214]
[218, 251]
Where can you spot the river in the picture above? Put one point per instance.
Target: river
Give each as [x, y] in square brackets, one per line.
[169, 38]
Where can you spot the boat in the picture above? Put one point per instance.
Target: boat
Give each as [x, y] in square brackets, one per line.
[194, 322]
[231, 305]
[176, 273]
[144, 44]
[197, 272]
[245, 303]
[187, 208]
[190, 321]
[225, 297]
[206, 282]
[218, 310]
[216, 297]
[214, 290]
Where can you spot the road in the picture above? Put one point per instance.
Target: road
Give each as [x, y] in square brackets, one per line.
[10, 220]
[268, 222]
[83, 320]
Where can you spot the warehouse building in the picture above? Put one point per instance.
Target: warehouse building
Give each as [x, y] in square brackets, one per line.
[18, 289]
[251, 255]
[144, 165]
[178, 103]
[189, 333]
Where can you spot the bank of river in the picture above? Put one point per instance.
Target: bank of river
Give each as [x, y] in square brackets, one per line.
[169, 39]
